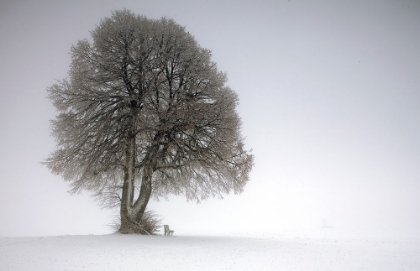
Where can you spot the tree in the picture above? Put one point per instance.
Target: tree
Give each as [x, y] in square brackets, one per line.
[146, 112]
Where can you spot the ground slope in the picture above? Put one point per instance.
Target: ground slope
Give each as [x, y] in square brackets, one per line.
[128, 252]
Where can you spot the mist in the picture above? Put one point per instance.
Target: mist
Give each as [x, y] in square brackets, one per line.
[329, 101]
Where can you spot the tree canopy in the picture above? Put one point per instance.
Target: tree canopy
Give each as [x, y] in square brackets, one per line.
[146, 112]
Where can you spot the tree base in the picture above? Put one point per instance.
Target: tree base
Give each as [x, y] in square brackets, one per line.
[149, 224]
[133, 230]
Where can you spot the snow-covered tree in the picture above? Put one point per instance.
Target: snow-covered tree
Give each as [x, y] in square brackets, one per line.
[146, 112]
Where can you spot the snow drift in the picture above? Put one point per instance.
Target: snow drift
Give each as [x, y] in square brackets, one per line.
[134, 252]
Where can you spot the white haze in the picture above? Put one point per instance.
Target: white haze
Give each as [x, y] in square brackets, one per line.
[329, 99]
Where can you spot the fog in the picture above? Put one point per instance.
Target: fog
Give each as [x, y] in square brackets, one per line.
[329, 100]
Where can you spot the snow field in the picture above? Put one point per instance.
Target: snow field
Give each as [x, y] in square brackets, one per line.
[133, 252]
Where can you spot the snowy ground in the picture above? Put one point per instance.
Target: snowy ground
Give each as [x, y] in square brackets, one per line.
[128, 252]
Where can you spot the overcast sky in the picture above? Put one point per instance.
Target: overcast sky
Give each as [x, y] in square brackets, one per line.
[329, 98]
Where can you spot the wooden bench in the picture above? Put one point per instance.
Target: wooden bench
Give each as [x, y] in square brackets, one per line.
[167, 230]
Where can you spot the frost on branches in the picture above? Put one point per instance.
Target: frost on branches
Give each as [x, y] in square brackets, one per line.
[146, 112]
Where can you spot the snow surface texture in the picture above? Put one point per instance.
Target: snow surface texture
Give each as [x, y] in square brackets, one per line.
[128, 252]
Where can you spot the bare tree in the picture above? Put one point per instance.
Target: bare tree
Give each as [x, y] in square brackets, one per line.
[146, 112]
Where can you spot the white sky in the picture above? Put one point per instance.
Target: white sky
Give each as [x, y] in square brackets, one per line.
[329, 98]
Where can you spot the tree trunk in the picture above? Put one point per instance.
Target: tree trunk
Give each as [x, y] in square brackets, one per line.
[145, 193]
[127, 222]
[131, 214]
[127, 190]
